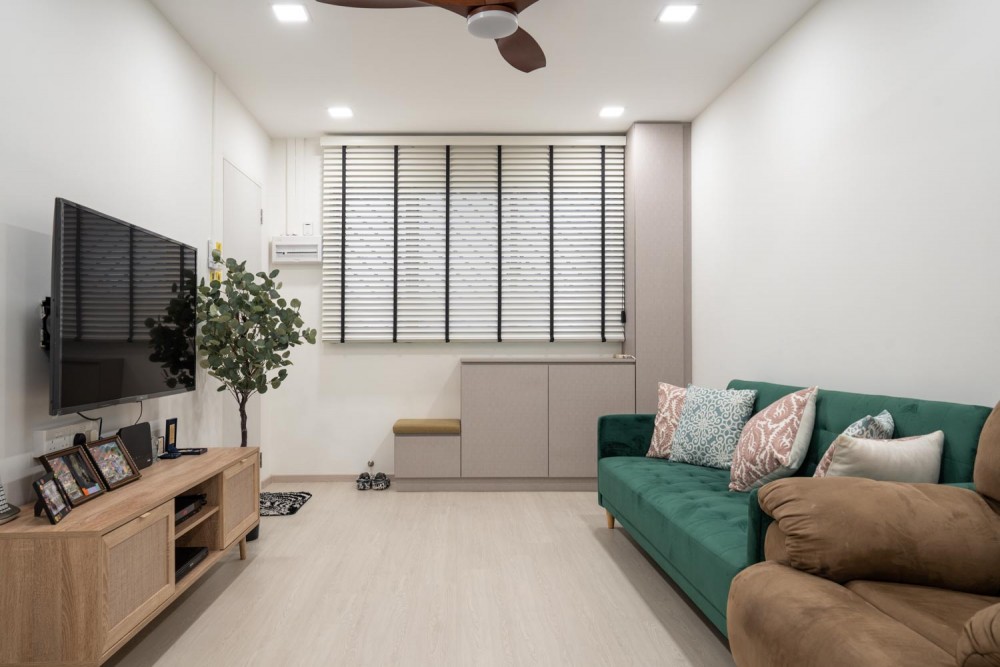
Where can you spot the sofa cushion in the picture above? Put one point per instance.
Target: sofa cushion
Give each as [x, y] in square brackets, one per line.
[710, 426]
[847, 528]
[687, 513]
[916, 459]
[934, 613]
[774, 442]
[987, 473]
[780, 616]
[879, 427]
[979, 645]
[836, 410]
[670, 403]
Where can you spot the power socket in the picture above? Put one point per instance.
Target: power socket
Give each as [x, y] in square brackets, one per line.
[60, 437]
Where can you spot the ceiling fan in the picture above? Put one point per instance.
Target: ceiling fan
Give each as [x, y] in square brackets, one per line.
[487, 19]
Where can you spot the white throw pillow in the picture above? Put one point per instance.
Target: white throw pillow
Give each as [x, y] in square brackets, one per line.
[879, 427]
[915, 460]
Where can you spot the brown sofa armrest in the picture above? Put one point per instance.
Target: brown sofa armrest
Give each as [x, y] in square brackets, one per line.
[844, 528]
[979, 643]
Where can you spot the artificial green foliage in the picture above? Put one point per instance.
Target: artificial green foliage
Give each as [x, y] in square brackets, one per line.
[247, 332]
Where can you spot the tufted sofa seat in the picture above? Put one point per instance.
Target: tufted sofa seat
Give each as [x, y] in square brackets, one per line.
[702, 534]
[706, 528]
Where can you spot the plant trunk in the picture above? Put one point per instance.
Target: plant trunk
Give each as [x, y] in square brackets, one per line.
[243, 421]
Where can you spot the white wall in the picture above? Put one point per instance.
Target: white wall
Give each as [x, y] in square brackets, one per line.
[846, 207]
[338, 405]
[239, 140]
[103, 103]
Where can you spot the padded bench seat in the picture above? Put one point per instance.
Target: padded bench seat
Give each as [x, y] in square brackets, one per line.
[427, 427]
[428, 448]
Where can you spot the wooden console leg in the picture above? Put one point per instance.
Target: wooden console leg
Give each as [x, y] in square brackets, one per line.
[243, 548]
[611, 519]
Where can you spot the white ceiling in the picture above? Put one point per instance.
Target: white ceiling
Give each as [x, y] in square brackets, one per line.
[419, 71]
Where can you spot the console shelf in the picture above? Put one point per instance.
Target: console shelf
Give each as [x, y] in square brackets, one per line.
[192, 522]
[107, 569]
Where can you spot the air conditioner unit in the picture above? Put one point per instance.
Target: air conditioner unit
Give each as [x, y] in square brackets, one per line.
[296, 250]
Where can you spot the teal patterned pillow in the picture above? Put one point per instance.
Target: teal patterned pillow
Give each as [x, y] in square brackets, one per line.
[710, 426]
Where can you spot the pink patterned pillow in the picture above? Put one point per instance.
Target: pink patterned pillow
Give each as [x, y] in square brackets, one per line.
[668, 413]
[775, 441]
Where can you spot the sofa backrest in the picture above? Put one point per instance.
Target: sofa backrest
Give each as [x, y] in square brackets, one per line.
[836, 410]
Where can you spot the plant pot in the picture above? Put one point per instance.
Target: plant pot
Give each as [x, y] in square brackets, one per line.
[253, 534]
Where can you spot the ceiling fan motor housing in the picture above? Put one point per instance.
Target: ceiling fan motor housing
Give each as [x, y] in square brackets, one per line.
[493, 22]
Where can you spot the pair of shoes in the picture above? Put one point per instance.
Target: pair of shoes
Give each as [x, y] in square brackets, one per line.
[364, 482]
[381, 482]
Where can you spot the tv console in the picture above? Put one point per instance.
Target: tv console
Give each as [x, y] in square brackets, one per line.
[78, 591]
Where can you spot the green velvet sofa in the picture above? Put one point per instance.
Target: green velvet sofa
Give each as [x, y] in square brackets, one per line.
[701, 533]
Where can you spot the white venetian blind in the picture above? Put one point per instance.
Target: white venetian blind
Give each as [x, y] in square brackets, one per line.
[473, 242]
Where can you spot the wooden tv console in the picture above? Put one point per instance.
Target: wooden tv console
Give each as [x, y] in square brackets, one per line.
[76, 592]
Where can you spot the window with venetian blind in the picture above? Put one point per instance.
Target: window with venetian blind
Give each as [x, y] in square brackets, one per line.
[473, 240]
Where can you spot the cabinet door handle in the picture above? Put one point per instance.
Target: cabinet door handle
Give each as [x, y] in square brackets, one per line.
[245, 460]
[146, 515]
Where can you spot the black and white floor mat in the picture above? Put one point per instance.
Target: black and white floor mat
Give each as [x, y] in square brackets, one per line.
[282, 503]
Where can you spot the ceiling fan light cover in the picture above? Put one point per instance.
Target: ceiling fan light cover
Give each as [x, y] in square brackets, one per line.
[493, 24]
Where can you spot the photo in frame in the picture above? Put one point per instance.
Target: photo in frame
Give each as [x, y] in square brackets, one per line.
[52, 498]
[113, 462]
[75, 473]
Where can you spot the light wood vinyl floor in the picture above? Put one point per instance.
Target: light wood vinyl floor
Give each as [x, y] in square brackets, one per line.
[386, 578]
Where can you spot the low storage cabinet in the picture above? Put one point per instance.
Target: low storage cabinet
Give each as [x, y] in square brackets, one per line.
[73, 594]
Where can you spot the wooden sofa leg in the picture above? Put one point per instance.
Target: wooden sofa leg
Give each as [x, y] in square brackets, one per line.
[611, 519]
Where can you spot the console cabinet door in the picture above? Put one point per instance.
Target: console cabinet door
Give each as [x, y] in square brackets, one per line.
[578, 395]
[240, 499]
[138, 570]
[505, 420]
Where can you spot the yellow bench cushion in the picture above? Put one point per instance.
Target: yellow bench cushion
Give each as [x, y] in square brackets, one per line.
[427, 427]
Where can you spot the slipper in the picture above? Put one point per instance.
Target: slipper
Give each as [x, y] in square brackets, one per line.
[364, 482]
[381, 482]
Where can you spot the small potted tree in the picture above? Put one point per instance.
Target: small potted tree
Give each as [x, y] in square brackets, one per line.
[247, 332]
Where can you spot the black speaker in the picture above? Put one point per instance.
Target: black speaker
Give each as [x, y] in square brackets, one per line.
[139, 443]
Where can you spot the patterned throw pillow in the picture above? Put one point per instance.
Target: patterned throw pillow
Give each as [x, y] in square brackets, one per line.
[914, 460]
[775, 441]
[710, 425]
[879, 427]
[668, 414]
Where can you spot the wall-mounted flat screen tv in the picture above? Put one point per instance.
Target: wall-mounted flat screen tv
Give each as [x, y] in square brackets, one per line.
[122, 321]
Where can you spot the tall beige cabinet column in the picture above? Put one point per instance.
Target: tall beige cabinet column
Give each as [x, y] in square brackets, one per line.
[657, 257]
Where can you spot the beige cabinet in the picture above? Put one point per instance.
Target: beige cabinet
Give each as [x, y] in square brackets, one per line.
[505, 420]
[140, 570]
[538, 418]
[240, 499]
[579, 394]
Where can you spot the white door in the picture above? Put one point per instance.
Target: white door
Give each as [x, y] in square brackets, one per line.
[241, 240]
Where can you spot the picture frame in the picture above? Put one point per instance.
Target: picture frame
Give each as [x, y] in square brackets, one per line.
[52, 498]
[75, 472]
[113, 462]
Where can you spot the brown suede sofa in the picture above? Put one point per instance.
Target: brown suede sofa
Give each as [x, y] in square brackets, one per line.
[875, 574]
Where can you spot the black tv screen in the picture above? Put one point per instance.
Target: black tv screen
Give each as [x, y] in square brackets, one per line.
[122, 320]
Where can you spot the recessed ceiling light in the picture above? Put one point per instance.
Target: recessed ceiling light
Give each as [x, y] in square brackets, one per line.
[290, 13]
[677, 13]
[340, 112]
[612, 112]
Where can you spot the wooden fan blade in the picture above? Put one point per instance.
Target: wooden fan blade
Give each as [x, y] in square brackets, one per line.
[522, 51]
[376, 4]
